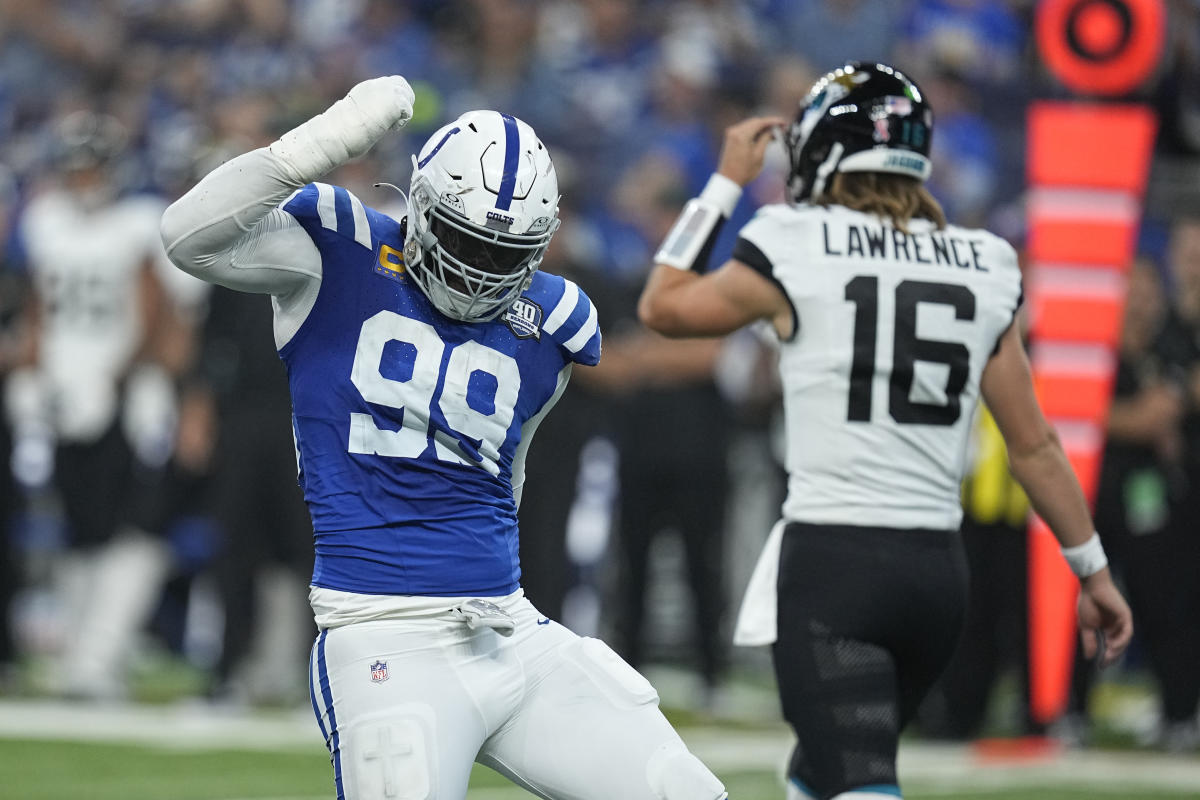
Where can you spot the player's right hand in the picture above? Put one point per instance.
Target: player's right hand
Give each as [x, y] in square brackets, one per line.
[1102, 610]
[385, 104]
[347, 129]
[744, 148]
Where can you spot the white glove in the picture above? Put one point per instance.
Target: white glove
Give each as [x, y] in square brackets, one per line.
[347, 129]
[486, 614]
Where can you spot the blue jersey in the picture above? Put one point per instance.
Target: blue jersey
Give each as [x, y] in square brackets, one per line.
[409, 424]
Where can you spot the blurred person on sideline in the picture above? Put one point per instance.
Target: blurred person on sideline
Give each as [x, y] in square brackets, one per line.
[97, 407]
[892, 325]
[421, 354]
[1177, 350]
[994, 640]
[265, 552]
[1140, 484]
[672, 430]
[554, 570]
[14, 351]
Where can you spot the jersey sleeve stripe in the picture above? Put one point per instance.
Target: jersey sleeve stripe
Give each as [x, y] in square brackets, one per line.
[362, 228]
[326, 209]
[585, 333]
[566, 304]
[291, 197]
[1012, 318]
[748, 253]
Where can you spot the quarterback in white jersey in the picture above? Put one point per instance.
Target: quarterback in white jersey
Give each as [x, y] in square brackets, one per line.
[897, 328]
[422, 354]
[892, 324]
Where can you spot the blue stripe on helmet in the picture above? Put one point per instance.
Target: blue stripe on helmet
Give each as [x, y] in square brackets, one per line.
[421, 164]
[512, 152]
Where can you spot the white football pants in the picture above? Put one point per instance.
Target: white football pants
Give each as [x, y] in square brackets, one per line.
[406, 706]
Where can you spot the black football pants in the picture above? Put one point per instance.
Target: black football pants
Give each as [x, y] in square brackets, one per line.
[868, 619]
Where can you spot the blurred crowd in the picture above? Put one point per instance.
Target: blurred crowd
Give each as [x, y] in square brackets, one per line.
[148, 469]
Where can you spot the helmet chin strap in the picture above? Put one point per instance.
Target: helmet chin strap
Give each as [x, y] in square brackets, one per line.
[828, 166]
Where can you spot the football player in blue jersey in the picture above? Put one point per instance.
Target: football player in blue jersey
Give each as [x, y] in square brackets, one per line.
[421, 354]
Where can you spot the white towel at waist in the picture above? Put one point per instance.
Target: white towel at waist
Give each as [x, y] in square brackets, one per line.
[756, 623]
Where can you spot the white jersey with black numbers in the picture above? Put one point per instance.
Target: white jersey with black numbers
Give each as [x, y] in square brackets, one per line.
[86, 265]
[881, 377]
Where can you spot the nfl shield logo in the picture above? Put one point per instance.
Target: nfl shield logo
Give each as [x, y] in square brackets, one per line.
[379, 672]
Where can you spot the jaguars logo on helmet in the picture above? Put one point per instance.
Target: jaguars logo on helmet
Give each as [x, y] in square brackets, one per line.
[858, 118]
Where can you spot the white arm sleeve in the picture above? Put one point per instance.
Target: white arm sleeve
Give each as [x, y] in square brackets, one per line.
[230, 230]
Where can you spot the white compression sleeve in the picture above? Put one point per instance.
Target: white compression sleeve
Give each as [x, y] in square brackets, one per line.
[229, 229]
[220, 216]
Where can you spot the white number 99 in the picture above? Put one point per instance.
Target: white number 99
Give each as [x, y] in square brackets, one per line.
[474, 416]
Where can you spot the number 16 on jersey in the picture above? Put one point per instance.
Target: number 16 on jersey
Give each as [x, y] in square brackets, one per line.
[907, 350]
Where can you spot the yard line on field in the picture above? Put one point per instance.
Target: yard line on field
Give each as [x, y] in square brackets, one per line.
[953, 768]
[958, 766]
[939, 768]
[723, 749]
[185, 726]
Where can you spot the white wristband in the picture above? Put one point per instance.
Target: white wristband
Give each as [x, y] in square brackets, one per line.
[700, 218]
[1086, 559]
[722, 192]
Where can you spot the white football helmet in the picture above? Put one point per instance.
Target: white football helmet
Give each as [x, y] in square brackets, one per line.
[482, 207]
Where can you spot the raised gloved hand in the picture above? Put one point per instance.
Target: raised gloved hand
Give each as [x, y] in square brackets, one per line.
[347, 129]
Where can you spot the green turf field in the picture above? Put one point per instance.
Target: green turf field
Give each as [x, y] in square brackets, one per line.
[55, 770]
[172, 747]
[188, 750]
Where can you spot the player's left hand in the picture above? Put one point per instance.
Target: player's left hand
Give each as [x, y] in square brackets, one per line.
[744, 147]
[1104, 618]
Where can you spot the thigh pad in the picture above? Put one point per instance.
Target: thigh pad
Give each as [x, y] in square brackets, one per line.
[620, 683]
[393, 755]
